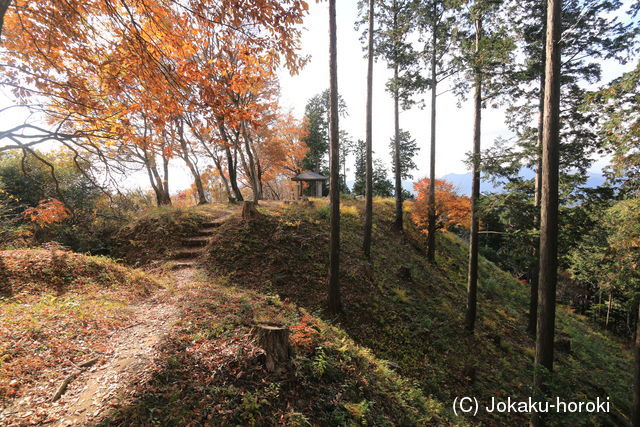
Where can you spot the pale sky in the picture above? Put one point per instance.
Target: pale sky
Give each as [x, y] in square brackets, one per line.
[454, 125]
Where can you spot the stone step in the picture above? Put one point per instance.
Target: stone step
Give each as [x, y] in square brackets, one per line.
[205, 232]
[212, 224]
[196, 242]
[179, 265]
[215, 223]
[187, 253]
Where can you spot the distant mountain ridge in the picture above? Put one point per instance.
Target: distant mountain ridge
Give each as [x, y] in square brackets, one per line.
[462, 181]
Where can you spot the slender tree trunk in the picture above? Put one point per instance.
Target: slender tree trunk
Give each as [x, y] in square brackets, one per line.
[549, 203]
[165, 179]
[215, 159]
[231, 164]
[334, 303]
[233, 177]
[253, 173]
[156, 189]
[202, 198]
[225, 182]
[396, 119]
[396, 156]
[598, 311]
[368, 211]
[472, 278]
[343, 178]
[259, 172]
[431, 226]
[217, 163]
[158, 184]
[606, 322]
[636, 382]
[250, 174]
[533, 276]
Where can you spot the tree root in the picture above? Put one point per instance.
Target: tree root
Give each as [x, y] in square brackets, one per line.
[63, 387]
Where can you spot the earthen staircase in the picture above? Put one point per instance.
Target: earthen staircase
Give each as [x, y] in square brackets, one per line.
[194, 247]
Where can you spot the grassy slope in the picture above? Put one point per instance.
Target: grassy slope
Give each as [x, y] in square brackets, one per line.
[57, 308]
[416, 323]
[211, 373]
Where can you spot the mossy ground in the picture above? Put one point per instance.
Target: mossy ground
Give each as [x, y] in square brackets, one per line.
[417, 322]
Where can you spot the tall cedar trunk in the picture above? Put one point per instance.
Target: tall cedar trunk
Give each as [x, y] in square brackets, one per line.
[533, 275]
[368, 211]
[606, 322]
[396, 155]
[636, 382]
[396, 141]
[549, 202]
[431, 227]
[472, 278]
[334, 304]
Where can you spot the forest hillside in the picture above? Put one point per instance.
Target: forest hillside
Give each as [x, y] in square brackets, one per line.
[411, 312]
[203, 219]
[397, 356]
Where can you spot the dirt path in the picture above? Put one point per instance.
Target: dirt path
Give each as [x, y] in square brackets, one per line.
[99, 388]
[94, 390]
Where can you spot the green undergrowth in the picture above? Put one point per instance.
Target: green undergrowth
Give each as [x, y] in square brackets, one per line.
[57, 309]
[411, 312]
[210, 372]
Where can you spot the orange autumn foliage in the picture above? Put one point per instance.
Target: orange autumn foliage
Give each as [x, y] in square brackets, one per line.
[305, 334]
[49, 211]
[143, 80]
[452, 210]
[120, 72]
[281, 146]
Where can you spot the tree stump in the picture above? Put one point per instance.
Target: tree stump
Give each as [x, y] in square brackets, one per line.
[404, 273]
[249, 211]
[274, 340]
